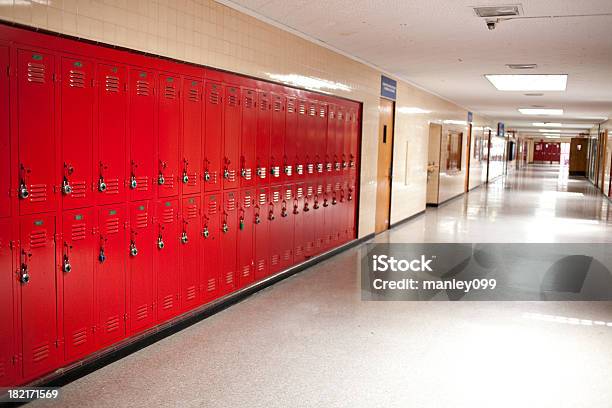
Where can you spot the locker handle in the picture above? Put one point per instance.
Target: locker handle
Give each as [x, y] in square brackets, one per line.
[306, 209]
[225, 227]
[205, 232]
[160, 242]
[257, 219]
[316, 204]
[325, 203]
[295, 207]
[334, 201]
[184, 238]
[24, 275]
[66, 187]
[284, 209]
[133, 249]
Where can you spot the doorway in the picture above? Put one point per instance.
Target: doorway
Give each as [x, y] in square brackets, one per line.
[385, 164]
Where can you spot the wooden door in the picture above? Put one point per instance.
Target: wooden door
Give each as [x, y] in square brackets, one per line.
[385, 163]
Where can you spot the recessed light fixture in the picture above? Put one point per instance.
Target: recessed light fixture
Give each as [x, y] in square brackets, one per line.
[549, 130]
[565, 125]
[541, 111]
[547, 124]
[498, 11]
[412, 109]
[528, 82]
[454, 122]
[534, 94]
[522, 66]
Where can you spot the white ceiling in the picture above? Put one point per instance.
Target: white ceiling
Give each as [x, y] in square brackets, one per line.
[442, 46]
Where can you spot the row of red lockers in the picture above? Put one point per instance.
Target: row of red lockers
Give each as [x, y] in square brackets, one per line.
[172, 187]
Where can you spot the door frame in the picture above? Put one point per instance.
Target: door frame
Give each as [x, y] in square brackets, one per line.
[393, 104]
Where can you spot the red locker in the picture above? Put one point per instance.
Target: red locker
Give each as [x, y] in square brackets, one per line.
[213, 144]
[190, 253]
[229, 236]
[193, 136]
[301, 140]
[211, 249]
[111, 256]
[311, 139]
[352, 202]
[347, 141]
[231, 137]
[246, 234]
[345, 211]
[320, 139]
[330, 145]
[287, 223]
[300, 209]
[277, 137]
[142, 244]
[291, 123]
[324, 201]
[5, 146]
[35, 131]
[248, 138]
[354, 135]
[276, 231]
[38, 295]
[77, 117]
[143, 166]
[169, 129]
[330, 219]
[263, 215]
[112, 110]
[8, 339]
[77, 271]
[167, 259]
[341, 138]
[337, 125]
[314, 193]
[262, 145]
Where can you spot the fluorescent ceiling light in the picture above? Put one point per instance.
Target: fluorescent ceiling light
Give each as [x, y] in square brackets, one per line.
[412, 109]
[540, 111]
[547, 124]
[565, 125]
[549, 130]
[528, 82]
[455, 122]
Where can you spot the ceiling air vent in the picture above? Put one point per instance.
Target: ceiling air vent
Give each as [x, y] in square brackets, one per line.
[498, 11]
[522, 66]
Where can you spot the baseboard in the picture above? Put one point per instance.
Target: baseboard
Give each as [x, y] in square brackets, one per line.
[128, 346]
[445, 201]
[405, 220]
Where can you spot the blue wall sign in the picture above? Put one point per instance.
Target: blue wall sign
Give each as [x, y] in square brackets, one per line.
[501, 129]
[470, 117]
[388, 88]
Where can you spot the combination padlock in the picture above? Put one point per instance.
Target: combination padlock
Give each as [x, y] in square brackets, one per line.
[257, 219]
[25, 276]
[101, 185]
[66, 187]
[206, 176]
[185, 178]
[284, 212]
[271, 216]
[102, 256]
[23, 191]
[161, 179]
[66, 267]
[241, 223]
[225, 227]
[160, 242]
[226, 174]
[133, 182]
[205, 233]
[133, 249]
[184, 238]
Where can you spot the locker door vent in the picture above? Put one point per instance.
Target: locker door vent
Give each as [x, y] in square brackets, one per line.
[309, 191]
[112, 324]
[36, 72]
[290, 106]
[142, 312]
[192, 211]
[38, 239]
[319, 189]
[170, 92]
[232, 100]
[168, 302]
[142, 220]
[299, 251]
[79, 232]
[79, 337]
[263, 106]
[229, 277]
[193, 95]
[275, 260]
[277, 105]
[249, 100]
[299, 193]
[276, 196]
[262, 199]
[214, 98]
[112, 225]
[143, 88]
[212, 207]
[79, 189]
[142, 183]
[168, 215]
[111, 83]
[312, 111]
[40, 353]
[212, 285]
[340, 115]
[38, 193]
[288, 194]
[246, 271]
[322, 111]
[302, 109]
[247, 202]
[287, 255]
[76, 79]
[230, 204]
[112, 185]
[191, 293]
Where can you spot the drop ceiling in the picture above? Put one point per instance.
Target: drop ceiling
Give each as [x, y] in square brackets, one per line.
[442, 46]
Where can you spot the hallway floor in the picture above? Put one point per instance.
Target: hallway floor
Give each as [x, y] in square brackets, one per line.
[309, 341]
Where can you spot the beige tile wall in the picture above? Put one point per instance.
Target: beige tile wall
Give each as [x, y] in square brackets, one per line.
[205, 32]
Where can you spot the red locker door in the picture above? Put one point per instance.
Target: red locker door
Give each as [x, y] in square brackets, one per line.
[214, 137]
[112, 106]
[77, 271]
[143, 167]
[246, 234]
[291, 122]
[8, 338]
[231, 137]
[248, 137]
[346, 137]
[330, 145]
[38, 295]
[192, 136]
[320, 145]
[321, 202]
[77, 114]
[338, 130]
[354, 135]
[190, 253]
[167, 265]
[211, 249]
[300, 209]
[301, 140]
[274, 216]
[327, 225]
[277, 137]
[262, 145]
[110, 257]
[169, 129]
[36, 138]
[311, 140]
[262, 232]
[229, 228]
[311, 209]
[353, 202]
[287, 222]
[5, 147]
[141, 249]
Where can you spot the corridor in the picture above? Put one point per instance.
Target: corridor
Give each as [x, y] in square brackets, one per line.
[311, 341]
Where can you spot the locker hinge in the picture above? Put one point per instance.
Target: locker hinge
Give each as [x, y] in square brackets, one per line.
[125, 316]
[13, 245]
[58, 237]
[8, 70]
[94, 83]
[57, 343]
[126, 225]
[14, 359]
[55, 77]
